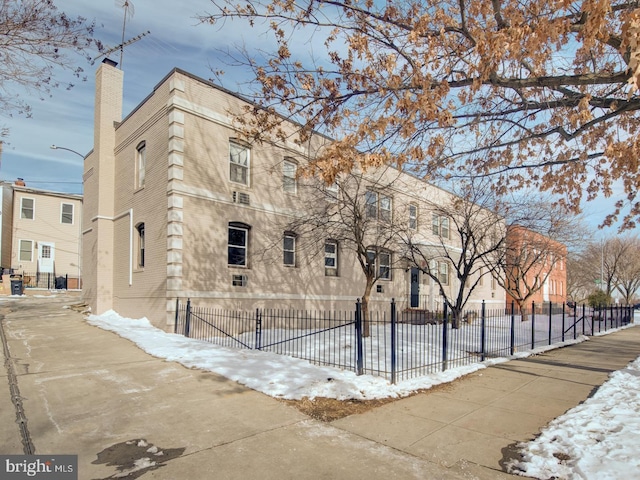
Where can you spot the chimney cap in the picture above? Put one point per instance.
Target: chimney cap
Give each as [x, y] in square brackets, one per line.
[20, 182]
[110, 62]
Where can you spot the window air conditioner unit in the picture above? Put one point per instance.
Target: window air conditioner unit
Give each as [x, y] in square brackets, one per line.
[241, 197]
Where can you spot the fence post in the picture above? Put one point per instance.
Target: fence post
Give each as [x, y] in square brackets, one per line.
[258, 343]
[513, 328]
[175, 325]
[187, 319]
[533, 325]
[563, 319]
[583, 314]
[550, 319]
[393, 341]
[66, 282]
[359, 348]
[483, 338]
[445, 320]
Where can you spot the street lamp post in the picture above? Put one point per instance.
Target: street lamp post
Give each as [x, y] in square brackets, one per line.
[55, 147]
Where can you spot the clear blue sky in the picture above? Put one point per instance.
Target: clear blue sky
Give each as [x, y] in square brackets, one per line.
[176, 40]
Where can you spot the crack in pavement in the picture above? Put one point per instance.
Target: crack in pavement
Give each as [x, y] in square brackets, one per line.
[16, 398]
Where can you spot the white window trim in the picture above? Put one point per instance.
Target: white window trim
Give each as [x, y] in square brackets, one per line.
[73, 208]
[413, 217]
[33, 208]
[293, 250]
[288, 163]
[247, 167]
[333, 255]
[20, 250]
[141, 165]
[245, 247]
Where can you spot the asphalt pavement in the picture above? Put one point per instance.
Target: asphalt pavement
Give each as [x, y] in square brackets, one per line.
[73, 388]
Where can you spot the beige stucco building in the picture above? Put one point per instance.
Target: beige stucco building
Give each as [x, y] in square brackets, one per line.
[40, 234]
[178, 206]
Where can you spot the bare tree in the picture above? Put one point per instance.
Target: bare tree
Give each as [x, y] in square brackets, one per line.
[36, 40]
[355, 215]
[471, 231]
[548, 87]
[628, 275]
[580, 279]
[538, 238]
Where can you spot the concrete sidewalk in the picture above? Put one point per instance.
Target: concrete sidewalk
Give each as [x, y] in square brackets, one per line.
[476, 421]
[89, 392]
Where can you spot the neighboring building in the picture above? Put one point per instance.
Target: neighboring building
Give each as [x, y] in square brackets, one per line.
[40, 234]
[535, 262]
[178, 206]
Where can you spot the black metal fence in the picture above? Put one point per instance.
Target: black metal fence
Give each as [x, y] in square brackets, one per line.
[397, 345]
[51, 281]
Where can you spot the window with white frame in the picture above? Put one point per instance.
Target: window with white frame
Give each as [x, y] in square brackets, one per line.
[385, 208]
[141, 164]
[379, 261]
[331, 258]
[413, 216]
[26, 251]
[289, 173]
[377, 206]
[371, 204]
[141, 245]
[239, 163]
[27, 207]
[384, 265]
[66, 215]
[238, 244]
[289, 250]
[440, 225]
[443, 273]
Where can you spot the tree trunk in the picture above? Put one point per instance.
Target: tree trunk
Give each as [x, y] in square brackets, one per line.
[365, 310]
[524, 315]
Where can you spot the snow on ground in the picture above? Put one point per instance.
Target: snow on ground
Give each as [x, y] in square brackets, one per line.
[597, 440]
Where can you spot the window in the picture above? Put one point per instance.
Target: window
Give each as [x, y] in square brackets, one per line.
[289, 250]
[46, 251]
[26, 250]
[443, 273]
[481, 277]
[238, 163]
[332, 191]
[141, 164]
[440, 225]
[385, 208]
[413, 216]
[238, 244]
[371, 204]
[384, 265]
[377, 205]
[289, 173]
[331, 259]
[67, 213]
[380, 262]
[27, 206]
[140, 229]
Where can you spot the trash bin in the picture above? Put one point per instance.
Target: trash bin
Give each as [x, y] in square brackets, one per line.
[61, 283]
[16, 287]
